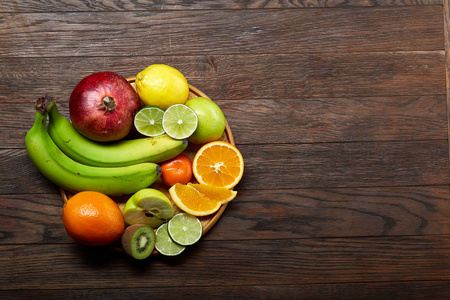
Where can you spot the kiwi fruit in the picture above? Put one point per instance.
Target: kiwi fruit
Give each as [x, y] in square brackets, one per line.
[138, 241]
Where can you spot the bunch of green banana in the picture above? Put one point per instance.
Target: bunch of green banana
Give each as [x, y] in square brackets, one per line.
[113, 154]
[74, 176]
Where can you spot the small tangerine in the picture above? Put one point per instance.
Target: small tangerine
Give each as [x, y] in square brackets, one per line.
[177, 170]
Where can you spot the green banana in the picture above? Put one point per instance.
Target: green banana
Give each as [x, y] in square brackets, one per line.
[114, 154]
[74, 176]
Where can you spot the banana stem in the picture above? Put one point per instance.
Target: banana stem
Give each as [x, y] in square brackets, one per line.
[44, 104]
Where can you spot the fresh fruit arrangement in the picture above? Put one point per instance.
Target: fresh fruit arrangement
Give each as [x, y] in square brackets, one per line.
[74, 176]
[114, 154]
[151, 193]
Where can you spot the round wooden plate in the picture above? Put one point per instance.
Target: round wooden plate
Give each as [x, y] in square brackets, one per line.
[207, 221]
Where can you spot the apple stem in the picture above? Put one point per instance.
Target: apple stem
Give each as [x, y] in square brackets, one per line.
[108, 104]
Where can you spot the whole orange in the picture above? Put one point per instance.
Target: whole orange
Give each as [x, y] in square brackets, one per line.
[177, 170]
[93, 219]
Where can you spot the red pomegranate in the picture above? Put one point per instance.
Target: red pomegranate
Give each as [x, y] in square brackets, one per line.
[102, 106]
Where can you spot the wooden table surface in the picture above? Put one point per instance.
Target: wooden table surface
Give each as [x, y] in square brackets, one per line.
[338, 107]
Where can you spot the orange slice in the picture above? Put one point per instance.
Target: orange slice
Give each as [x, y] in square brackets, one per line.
[218, 164]
[192, 201]
[221, 195]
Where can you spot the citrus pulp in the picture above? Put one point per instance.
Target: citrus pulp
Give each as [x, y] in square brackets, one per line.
[190, 200]
[218, 164]
[148, 121]
[179, 121]
[185, 229]
[164, 243]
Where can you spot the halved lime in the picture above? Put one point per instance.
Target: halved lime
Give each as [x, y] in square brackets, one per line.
[164, 243]
[148, 121]
[185, 229]
[179, 121]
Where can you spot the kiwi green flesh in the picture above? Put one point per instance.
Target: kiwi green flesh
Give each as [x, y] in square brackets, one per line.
[138, 241]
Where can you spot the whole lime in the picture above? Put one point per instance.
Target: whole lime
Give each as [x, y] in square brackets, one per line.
[211, 121]
[162, 85]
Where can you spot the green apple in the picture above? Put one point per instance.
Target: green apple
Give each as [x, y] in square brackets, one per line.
[211, 121]
[149, 207]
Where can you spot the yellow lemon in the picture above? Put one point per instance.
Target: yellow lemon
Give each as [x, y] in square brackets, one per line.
[162, 85]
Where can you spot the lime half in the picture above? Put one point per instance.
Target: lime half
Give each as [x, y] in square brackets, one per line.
[179, 121]
[148, 121]
[185, 229]
[164, 243]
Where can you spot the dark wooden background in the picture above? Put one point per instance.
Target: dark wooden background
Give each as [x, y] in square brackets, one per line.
[338, 107]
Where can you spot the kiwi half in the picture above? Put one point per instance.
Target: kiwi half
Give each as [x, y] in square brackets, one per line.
[138, 241]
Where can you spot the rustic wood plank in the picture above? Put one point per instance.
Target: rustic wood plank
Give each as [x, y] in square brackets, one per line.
[344, 164]
[308, 213]
[32, 218]
[447, 54]
[20, 175]
[347, 212]
[294, 166]
[224, 31]
[111, 5]
[309, 120]
[294, 261]
[228, 77]
[315, 120]
[345, 291]
[349, 199]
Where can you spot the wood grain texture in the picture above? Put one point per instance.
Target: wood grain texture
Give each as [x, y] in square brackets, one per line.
[294, 261]
[126, 5]
[316, 120]
[229, 77]
[339, 291]
[38, 221]
[227, 32]
[447, 54]
[345, 164]
[345, 212]
[338, 107]
[278, 214]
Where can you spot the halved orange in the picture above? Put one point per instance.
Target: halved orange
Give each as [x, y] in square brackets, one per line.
[192, 201]
[221, 195]
[218, 164]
